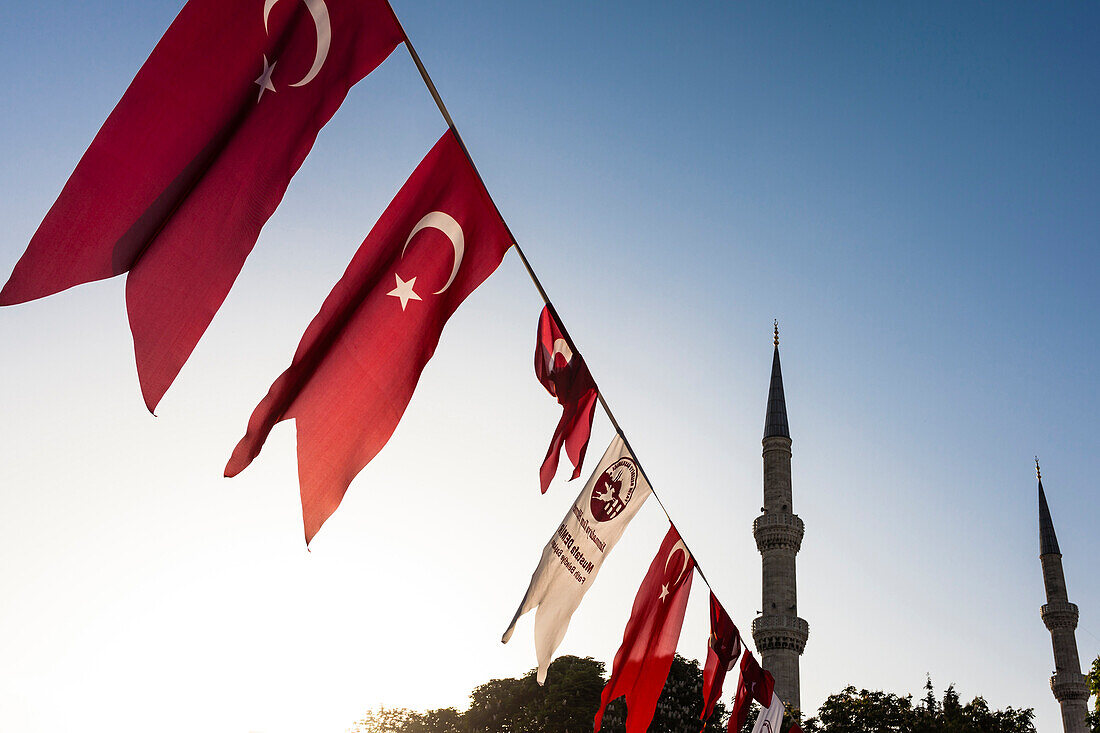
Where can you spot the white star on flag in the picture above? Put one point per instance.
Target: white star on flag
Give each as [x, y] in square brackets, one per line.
[404, 290]
[664, 593]
[264, 81]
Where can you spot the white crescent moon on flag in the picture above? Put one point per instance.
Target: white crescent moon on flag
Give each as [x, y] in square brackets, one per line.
[268, 5]
[319, 11]
[446, 224]
[561, 347]
[678, 547]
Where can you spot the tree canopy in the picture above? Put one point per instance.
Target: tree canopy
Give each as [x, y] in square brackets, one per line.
[567, 703]
[1094, 689]
[569, 699]
[865, 711]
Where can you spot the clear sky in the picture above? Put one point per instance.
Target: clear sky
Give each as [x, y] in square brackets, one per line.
[911, 189]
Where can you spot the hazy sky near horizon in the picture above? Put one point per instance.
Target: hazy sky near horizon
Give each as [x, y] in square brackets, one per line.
[910, 189]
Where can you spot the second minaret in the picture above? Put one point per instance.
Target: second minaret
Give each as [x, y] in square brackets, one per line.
[1060, 617]
[780, 635]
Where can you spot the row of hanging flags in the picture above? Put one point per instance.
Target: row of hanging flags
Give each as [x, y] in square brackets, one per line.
[173, 191]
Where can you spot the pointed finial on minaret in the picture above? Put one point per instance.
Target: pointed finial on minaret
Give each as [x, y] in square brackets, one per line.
[775, 423]
[1048, 540]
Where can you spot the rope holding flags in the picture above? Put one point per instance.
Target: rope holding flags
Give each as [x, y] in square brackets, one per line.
[527, 266]
[725, 640]
[530, 271]
[172, 213]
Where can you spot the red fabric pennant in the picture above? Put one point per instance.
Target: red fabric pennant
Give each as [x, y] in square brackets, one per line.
[649, 642]
[194, 159]
[566, 377]
[359, 361]
[755, 683]
[723, 648]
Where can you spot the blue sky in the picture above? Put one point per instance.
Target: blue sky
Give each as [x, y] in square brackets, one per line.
[910, 189]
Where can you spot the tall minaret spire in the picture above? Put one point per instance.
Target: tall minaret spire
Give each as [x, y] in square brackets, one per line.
[1060, 617]
[775, 423]
[780, 635]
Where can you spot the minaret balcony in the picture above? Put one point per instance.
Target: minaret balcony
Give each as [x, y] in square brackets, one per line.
[1060, 615]
[778, 531]
[1069, 686]
[780, 632]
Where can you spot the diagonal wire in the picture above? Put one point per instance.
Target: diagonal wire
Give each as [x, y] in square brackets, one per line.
[534, 279]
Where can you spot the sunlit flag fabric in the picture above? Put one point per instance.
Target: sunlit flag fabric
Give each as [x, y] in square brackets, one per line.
[723, 648]
[566, 377]
[755, 683]
[570, 561]
[194, 159]
[649, 643]
[360, 359]
[770, 719]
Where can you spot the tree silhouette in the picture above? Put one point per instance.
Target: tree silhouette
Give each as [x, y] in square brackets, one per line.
[866, 711]
[568, 701]
[1094, 689]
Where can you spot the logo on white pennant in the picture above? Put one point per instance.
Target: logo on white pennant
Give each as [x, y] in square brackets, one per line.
[446, 224]
[613, 489]
[319, 11]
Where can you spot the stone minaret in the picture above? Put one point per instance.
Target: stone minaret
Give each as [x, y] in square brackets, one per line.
[1060, 617]
[779, 633]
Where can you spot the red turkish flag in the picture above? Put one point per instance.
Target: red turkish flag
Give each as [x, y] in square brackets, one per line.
[723, 648]
[360, 359]
[649, 642]
[194, 159]
[755, 683]
[566, 377]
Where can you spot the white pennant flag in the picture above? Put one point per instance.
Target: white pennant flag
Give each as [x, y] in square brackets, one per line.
[570, 561]
[770, 720]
